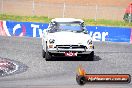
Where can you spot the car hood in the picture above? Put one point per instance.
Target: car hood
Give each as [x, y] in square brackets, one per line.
[69, 38]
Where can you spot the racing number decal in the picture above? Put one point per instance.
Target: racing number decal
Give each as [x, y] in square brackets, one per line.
[70, 54]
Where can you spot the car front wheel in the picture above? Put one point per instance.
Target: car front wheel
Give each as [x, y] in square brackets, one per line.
[43, 53]
[48, 56]
[91, 56]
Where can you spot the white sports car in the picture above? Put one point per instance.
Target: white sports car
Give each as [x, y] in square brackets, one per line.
[67, 37]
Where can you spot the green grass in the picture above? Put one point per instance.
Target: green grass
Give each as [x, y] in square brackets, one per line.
[42, 19]
[102, 22]
[24, 18]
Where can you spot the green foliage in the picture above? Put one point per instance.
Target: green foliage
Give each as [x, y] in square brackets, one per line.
[43, 19]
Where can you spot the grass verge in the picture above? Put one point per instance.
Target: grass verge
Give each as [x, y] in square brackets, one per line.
[43, 19]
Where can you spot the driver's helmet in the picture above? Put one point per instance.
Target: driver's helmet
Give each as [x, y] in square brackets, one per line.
[54, 27]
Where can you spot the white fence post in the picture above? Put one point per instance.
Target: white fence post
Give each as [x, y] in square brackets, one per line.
[48, 12]
[2, 6]
[96, 12]
[33, 6]
[64, 7]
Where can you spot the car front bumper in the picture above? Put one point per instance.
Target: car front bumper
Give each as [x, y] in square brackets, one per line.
[62, 51]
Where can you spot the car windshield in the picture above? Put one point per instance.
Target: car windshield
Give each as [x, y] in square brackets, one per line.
[67, 26]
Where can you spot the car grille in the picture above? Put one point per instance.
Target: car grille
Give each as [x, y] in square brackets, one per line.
[70, 46]
[76, 48]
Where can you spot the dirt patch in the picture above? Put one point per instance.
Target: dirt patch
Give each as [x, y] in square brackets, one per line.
[120, 3]
[90, 9]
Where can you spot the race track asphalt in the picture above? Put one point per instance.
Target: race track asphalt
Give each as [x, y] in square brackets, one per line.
[109, 58]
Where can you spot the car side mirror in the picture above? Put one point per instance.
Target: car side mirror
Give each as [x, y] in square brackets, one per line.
[85, 31]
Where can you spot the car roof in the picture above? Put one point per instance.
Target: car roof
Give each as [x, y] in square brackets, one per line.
[66, 20]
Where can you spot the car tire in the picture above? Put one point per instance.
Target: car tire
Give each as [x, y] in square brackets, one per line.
[43, 53]
[47, 55]
[91, 56]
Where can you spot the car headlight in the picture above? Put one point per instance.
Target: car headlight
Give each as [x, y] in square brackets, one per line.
[51, 41]
[89, 42]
